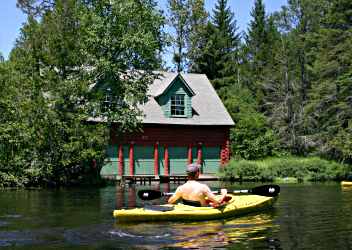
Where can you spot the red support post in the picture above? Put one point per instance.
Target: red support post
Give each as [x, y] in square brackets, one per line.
[131, 158]
[120, 167]
[199, 154]
[227, 150]
[156, 159]
[222, 156]
[166, 161]
[189, 161]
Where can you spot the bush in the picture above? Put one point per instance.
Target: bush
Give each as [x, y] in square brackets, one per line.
[303, 169]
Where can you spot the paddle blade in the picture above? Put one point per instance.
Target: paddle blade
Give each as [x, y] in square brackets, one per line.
[149, 194]
[266, 190]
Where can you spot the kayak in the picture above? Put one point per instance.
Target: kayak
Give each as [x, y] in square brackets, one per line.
[237, 206]
[346, 183]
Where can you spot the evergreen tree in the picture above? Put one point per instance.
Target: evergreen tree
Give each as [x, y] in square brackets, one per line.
[219, 58]
[330, 111]
[257, 41]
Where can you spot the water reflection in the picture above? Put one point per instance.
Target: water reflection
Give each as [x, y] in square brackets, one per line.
[215, 234]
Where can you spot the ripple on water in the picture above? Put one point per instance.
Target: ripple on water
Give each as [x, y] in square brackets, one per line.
[11, 216]
[3, 223]
[16, 238]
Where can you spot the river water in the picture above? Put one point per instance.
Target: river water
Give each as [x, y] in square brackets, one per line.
[306, 216]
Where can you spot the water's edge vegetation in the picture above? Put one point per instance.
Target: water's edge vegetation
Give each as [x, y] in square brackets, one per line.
[286, 169]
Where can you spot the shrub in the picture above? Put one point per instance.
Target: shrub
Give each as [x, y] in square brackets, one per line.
[303, 169]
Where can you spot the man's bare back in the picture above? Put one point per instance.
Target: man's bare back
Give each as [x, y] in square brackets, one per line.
[192, 190]
[195, 191]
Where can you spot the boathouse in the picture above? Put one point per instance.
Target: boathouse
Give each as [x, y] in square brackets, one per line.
[184, 121]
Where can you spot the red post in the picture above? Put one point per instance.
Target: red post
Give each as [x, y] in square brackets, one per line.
[189, 161]
[227, 151]
[166, 161]
[131, 158]
[156, 159]
[223, 156]
[120, 167]
[199, 154]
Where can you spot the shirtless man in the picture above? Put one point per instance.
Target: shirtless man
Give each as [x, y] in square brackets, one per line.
[194, 193]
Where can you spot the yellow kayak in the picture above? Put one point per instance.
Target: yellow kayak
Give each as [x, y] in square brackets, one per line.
[237, 206]
[346, 183]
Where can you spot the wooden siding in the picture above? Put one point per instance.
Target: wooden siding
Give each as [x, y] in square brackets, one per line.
[209, 136]
[211, 160]
[178, 160]
[144, 160]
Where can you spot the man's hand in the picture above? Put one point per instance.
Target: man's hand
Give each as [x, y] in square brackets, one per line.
[223, 193]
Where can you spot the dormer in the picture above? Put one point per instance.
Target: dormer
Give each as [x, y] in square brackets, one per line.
[175, 98]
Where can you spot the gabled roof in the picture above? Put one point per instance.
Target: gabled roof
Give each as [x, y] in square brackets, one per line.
[165, 87]
[207, 107]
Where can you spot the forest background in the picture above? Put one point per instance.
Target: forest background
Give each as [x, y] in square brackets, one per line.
[286, 81]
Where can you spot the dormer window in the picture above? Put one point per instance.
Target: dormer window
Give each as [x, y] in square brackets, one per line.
[178, 105]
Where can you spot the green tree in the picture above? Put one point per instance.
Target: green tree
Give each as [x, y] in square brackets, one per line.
[179, 20]
[197, 38]
[257, 39]
[57, 59]
[219, 56]
[329, 111]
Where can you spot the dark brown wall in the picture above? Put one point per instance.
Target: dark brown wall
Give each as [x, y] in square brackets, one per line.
[178, 135]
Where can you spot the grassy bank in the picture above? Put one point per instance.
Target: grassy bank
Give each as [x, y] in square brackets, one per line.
[287, 168]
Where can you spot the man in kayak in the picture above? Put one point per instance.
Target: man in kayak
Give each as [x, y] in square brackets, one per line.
[195, 193]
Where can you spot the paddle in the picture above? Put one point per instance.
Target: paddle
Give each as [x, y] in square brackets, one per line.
[264, 190]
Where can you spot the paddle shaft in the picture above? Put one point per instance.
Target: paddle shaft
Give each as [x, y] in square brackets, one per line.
[244, 191]
[265, 190]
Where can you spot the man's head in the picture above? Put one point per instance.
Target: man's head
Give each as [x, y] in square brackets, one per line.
[193, 171]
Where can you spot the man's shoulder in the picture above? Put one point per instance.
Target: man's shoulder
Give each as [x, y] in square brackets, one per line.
[204, 186]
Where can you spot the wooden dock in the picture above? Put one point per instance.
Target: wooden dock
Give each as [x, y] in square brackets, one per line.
[148, 179]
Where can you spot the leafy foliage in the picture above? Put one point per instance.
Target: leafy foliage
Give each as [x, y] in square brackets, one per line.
[58, 75]
[303, 169]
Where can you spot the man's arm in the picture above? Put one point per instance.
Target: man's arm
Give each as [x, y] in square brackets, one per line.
[177, 195]
[212, 197]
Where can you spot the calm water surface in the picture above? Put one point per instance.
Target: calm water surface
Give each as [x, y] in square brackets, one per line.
[306, 216]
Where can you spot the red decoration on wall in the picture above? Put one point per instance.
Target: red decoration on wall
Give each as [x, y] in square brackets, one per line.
[166, 161]
[156, 159]
[120, 167]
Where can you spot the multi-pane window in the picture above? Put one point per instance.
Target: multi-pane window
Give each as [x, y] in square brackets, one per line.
[178, 105]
